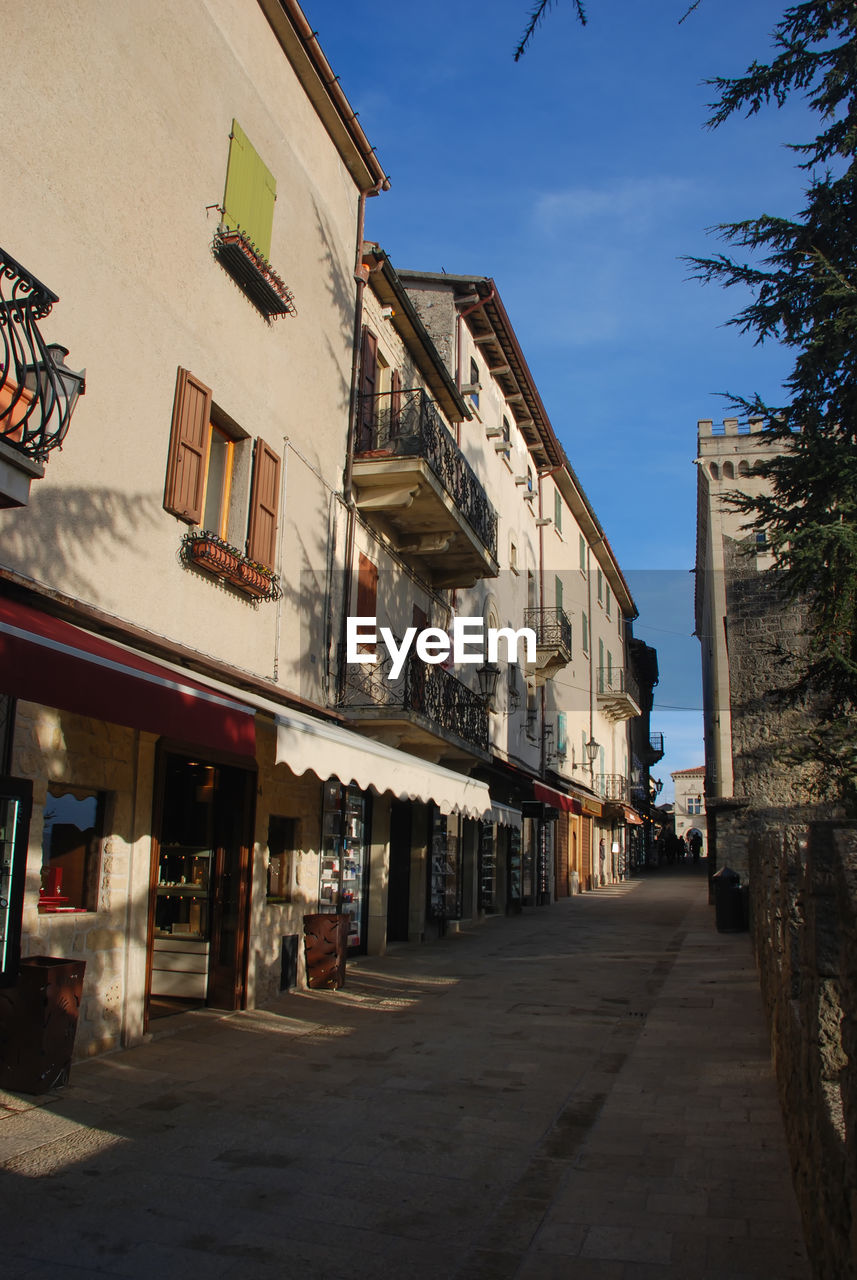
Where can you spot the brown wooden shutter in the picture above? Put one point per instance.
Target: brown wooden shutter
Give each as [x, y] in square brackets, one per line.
[185, 484]
[264, 505]
[367, 587]
[368, 389]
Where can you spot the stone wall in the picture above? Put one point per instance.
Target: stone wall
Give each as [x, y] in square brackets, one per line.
[783, 836]
[804, 918]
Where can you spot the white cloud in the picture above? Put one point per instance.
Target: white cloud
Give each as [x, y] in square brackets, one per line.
[632, 204]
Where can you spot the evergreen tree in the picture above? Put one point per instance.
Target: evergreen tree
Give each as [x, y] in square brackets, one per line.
[802, 275]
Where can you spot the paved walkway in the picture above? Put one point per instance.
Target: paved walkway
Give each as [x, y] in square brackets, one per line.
[582, 1091]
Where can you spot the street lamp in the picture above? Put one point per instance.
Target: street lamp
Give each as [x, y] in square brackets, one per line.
[488, 675]
[58, 388]
[592, 749]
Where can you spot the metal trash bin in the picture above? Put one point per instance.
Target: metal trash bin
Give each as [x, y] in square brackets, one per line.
[729, 912]
[38, 1024]
[326, 947]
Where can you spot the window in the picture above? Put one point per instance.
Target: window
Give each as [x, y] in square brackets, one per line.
[600, 587]
[714, 470]
[507, 430]
[558, 592]
[694, 804]
[251, 189]
[585, 632]
[513, 557]
[609, 669]
[582, 548]
[207, 472]
[728, 471]
[557, 510]
[282, 842]
[71, 848]
[532, 715]
[743, 467]
[474, 382]
[529, 479]
[601, 686]
[607, 598]
[761, 540]
[561, 735]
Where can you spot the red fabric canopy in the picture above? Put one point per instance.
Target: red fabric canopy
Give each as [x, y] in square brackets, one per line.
[44, 659]
[558, 799]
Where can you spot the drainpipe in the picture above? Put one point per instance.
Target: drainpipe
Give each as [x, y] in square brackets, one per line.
[361, 276]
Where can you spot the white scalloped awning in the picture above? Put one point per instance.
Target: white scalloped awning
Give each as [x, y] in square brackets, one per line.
[328, 751]
[505, 816]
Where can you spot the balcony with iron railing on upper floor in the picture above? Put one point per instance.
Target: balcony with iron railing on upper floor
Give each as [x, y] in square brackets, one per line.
[553, 642]
[413, 481]
[617, 693]
[38, 393]
[655, 750]
[425, 710]
[613, 786]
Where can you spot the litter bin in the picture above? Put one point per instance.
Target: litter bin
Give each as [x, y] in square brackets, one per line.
[38, 1024]
[729, 911]
[326, 946]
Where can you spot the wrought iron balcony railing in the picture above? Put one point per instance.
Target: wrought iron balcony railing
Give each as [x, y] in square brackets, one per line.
[656, 742]
[552, 627]
[613, 786]
[618, 680]
[37, 393]
[407, 424]
[423, 690]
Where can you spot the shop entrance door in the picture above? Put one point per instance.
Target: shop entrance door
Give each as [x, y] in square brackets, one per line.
[200, 885]
[399, 886]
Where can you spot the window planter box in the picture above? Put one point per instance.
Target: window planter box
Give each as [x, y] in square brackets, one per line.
[207, 551]
[253, 274]
[214, 556]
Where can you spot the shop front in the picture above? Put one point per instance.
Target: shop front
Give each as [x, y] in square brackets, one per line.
[200, 893]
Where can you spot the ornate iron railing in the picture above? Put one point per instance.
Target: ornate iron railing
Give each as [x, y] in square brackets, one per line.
[35, 405]
[613, 786]
[421, 689]
[617, 680]
[656, 742]
[408, 424]
[552, 627]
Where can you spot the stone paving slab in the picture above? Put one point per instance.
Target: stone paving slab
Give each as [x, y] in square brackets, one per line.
[581, 1091]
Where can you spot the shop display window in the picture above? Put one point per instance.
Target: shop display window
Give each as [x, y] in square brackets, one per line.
[72, 832]
[344, 858]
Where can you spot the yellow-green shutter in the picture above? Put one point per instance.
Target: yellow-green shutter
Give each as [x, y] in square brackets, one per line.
[251, 189]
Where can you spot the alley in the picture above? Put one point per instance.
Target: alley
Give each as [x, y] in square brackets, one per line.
[581, 1091]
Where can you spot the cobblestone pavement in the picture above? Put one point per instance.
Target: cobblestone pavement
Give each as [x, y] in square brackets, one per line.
[581, 1091]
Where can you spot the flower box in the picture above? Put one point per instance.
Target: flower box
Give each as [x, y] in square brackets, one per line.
[213, 555]
[253, 273]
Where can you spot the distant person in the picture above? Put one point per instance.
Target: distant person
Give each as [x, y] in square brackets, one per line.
[695, 845]
[602, 854]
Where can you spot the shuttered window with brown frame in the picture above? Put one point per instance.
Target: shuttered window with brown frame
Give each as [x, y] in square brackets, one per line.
[368, 391]
[367, 587]
[185, 483]
[264, 506]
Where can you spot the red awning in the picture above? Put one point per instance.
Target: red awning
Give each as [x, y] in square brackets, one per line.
[559, 800]
[44, 659]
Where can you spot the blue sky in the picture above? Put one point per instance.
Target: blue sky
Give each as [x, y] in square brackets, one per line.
[578, 178]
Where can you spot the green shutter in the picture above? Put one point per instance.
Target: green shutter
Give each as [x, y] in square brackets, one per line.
[582, 554]
[558, 592]
[251, 189]
[557, 510]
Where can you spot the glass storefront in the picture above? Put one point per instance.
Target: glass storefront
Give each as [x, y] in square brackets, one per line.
[344, 872]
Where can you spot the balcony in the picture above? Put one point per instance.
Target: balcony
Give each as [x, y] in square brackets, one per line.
[426, 710]
[38, 393]
[655, 750]
[553, 642]
[413, 481]
[613, 786]
[617, 694]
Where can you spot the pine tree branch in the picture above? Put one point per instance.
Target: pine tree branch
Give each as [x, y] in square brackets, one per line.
[537, 15]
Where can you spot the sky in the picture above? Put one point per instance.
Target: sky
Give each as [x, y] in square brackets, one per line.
[578, 179]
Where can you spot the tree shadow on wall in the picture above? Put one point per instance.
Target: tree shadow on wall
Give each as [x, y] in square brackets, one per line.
[67, 536]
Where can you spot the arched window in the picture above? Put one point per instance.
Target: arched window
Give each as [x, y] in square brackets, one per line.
[728, 471]
[743, 467]
[714, 470]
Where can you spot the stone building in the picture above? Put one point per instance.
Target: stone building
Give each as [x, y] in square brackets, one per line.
[689, 810]
[767, 817]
